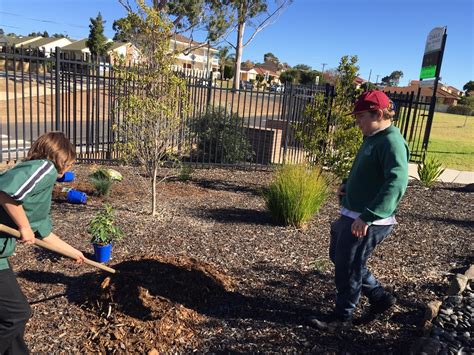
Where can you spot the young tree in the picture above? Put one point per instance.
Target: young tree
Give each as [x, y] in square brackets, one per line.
[97, 42]
[330, 136]
[155, 104]
[393, 79]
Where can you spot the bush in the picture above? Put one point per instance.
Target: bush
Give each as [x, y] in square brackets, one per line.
[102, 182]
[221, 137]
[429, 170]
[461, 110]
[102, 227]
[296, 194]
[185, 173]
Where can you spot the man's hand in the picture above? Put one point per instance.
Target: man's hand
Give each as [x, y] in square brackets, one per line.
[359, 228]
[79, 257]
[27, 235]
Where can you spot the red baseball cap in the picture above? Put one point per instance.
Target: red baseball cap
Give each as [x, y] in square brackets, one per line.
[370, 101]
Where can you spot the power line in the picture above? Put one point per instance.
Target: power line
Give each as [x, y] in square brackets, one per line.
[42, 20]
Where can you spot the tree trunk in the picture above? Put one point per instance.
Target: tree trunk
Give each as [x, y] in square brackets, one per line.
[238, 54]
[153, 192]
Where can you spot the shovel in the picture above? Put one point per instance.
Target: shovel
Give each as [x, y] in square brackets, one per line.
[40, 243]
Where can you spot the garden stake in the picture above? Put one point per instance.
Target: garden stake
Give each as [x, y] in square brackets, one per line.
[40, 243]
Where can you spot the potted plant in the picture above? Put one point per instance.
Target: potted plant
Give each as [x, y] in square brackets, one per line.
[104, 231]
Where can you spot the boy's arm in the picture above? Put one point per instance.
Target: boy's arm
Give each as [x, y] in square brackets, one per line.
[17, 214]
[53, 240]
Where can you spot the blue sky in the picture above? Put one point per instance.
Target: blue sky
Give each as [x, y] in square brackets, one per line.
[386, 35]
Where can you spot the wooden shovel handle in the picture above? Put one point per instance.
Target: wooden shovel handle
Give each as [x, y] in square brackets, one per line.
[40, 243]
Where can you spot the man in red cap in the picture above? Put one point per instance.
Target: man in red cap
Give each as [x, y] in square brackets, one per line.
[370, 196]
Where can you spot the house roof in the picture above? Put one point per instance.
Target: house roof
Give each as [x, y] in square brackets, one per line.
[18, 40]
[44, 41]
[261, 70]
[183, 39]
[76, 45]
[359, 80]
[425, 91]
[116, 45]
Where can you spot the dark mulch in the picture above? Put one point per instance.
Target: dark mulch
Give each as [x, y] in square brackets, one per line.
[213, 273]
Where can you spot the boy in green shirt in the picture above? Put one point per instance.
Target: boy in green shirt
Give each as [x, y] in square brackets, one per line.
[25, 204]
[377, 181]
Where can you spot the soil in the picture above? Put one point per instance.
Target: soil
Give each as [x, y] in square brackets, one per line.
[213, 273]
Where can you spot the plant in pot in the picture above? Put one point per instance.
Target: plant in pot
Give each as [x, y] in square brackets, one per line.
[104, 232]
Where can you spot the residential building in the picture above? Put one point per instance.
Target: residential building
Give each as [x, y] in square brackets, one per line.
[49, 44]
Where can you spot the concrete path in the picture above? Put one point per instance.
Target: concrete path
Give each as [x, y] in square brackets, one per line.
[449, 175]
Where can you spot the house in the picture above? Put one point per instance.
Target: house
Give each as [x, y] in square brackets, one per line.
[268, 73]
[445, 95]
[248, 74]
[48, 45]
[79, 50]
[200, 60]
[358, 81]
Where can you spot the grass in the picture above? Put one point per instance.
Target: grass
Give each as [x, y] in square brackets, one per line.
[452, 142]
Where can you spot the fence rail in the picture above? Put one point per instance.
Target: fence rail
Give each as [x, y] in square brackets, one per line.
[41, 92]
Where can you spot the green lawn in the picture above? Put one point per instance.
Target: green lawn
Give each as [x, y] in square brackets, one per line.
[452, 142]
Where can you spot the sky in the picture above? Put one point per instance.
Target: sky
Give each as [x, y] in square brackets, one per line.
[386, 35]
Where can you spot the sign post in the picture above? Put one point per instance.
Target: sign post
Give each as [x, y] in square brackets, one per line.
[430, 69]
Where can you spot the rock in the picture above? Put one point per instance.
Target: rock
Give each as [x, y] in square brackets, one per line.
[426, 345]
[458, 284]
[454, 300]
[432, 310]
[470, 273]
[446, 311]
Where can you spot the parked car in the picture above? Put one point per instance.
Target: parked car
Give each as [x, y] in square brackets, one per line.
[277, 88]
[246, 85]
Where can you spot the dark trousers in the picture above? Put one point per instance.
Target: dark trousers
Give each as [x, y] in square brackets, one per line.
[14, 313]
[349, 255]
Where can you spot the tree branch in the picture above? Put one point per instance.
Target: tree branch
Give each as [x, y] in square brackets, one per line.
[265, 23]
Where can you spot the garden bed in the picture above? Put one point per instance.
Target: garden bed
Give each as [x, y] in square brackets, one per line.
[212, 272]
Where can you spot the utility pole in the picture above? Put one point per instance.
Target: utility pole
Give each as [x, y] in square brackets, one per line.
[377, 80]
[322, 73]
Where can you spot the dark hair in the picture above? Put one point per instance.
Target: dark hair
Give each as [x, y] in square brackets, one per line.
[54, 146]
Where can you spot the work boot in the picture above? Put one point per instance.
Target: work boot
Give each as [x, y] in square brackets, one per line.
[330, 322]
[377, 309]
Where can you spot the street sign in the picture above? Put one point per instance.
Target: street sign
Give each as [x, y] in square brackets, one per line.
[433, 52]
[427, 83]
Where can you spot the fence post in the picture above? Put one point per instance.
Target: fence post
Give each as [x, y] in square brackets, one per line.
[209, 90]
[58, 90]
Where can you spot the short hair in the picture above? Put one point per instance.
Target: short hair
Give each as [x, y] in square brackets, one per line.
[54, 146]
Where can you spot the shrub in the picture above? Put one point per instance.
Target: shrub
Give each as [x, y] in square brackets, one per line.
[296, 194]
[429, 170]
[221, 138]
[102, 227]
[185, 173]
[461, 110]
[102, 182]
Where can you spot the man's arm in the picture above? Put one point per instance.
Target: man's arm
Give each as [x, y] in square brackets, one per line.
[17, 214]
[53, 240]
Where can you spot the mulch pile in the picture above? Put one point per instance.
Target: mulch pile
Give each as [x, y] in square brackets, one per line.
[213, 273]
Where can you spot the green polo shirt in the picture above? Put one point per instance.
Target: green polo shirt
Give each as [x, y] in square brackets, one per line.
[30, 183]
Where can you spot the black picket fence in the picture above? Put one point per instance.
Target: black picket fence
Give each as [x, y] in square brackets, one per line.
[249, 127]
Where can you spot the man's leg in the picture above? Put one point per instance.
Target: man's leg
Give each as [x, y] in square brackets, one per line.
[14, 313]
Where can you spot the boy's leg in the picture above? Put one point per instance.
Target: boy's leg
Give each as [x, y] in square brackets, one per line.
[370, 286]
[14, 313]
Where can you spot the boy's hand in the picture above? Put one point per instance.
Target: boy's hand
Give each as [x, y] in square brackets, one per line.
[79, 257]
[27, 235]
[359, 228]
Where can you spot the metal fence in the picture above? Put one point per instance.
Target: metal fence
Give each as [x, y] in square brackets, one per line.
[252, 127]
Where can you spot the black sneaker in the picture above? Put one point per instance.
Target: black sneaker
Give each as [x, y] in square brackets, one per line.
[377, 309]
[330, 322]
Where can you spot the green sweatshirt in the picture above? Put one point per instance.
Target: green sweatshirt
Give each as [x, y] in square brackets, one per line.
[30, 183]
[379, 176]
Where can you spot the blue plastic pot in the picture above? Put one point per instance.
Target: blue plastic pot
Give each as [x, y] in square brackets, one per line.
[77, 197]
[102, 252]
[68, 176]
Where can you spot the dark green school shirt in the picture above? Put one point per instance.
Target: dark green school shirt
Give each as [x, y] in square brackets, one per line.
[379, 176]
[31, 184]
